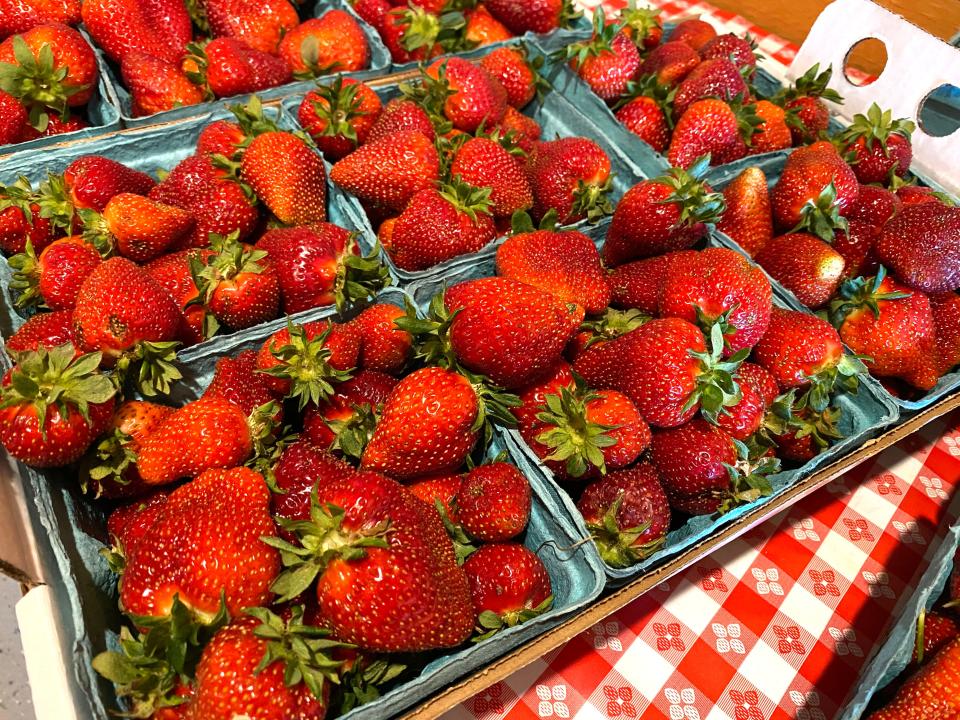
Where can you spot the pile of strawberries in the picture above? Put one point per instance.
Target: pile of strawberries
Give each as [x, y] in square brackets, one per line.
[444, 168]
[175, 53]
[48, 71]
[691, 93]
[124, 266]
[851, 237]
[420, 30]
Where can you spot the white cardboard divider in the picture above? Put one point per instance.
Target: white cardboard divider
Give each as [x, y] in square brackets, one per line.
[46, 666]
[917, 64]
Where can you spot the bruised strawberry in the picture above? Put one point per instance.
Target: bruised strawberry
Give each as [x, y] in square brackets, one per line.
[805, 265]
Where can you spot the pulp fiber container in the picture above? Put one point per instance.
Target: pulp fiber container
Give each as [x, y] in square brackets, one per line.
[379, 64]
[568, 110]
[148, 149]
[864, 416]
[71, 530]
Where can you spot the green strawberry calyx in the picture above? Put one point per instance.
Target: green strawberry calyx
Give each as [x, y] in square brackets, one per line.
[592, 200]
[619, 547]
[696, 202]
[490, 623]
[252, 123]
[424, 29]
[340, 107]
[25, 283]
[466, 198]
[612, 324]
[749, 478]
[716, 385]
[361, 683]
[813, 84]
[305, 361]
[573, 438]
[151, 367]
[876, 126]
[110, 460]
[862, 293]
[641, 20]
[38, 83]
[353, 434]
[821, 216]
[600, 42]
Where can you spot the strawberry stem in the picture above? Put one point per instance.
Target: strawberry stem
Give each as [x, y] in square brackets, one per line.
[572, 437]
[618, 546]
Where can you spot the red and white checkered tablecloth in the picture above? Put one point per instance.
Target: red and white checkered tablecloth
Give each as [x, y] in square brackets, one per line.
[778, 624]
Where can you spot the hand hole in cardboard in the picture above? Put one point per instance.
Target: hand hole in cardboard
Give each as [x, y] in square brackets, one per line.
[865, 61]
[939, 113]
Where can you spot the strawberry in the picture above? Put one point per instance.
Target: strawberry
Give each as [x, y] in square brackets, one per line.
[372, 12]
[719, 78]
[339, 116]
[400, 115]
[263, 666]
[934, 691]
[484, 29]
[53, 405]
[383, 345]
[857, 247]
[636, 285]
[570, 175]
[608, 61]
[204, 545]
[408, 443]
[228, 66]
[807, 433]
[172, 273]
[533, 396]
[665, 368]
[261, 24]
[43, 330]
[396, 590]
[805, 265]
[287, 176]
[772, 133]
[439, 224]
[126, 315]
[694, 32]
[807, 113]
[21, 15]
[710, 128]
[139, 228]
[92, 180]
[230, 137]
[121, 27]
[670, 63]
[642, 24]
[921, 246]
[739, 50]
[661, 214]
[235, 379]
[442, 488]
[525, 130]
[334, 42]
[128, 523]
[815, 189]
[518, 75]
[13, 117]
[748, 220]
[56, 125]
[21, 218]
[538, 16]
[302, 361]
[627, 513]
[718, 285]
[875, 205]
[891, 326]
[741, 420]
[917, 195]
[642, 112]
[300, 467]
[54, 278]
[413, 34]
[879, 145]
[493, 504]
[936, 630]
[564, 264]
[484, 163]
[509, 585]
[346, 421]
[389, 170]
[760, 379]
[157, 85]
[472, 96]
[946, 318]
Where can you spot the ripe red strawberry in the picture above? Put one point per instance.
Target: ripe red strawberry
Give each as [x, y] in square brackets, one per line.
[124, 313]
[879, 145]
[203, 545]
[523, 130]
[372, 12]
[807, 114]
[301, 466]
[139, 228]
[439, 224]
[642, 24]
[921, 246]
[228, 66]
[636, 284]
[339, 116]
[814, 191]
[509, 585]
[13, 117]
[55, 126]
[409, 443]
[857, 246]
[49, 69]
[917, 195]
[807, 433]
[259, 23]
[627, 513]
[760, 379]
[937, 629]
[805, 265]
[891, 326]
[287, 176]
[399, 115]
[507, 330]
[718, 78]
[54, 278]
[570, 175]
[772, 133]
[748, 220]
[744, 418]
[157, 85]
[441, 487]
[644, 116]
[709, 128]
[539, 16]
[665, 368]
[670, 63]
[21, 15]
[946, 318]
[533, 397]
[739, 50]
[875, 205]
[53, 405]
[608, 61]
[383, 345]
[235, 379]
[334, 42]
[472, 96]
[172, 273]
[484, 29]
[510, 65]
[389, 170]
[694, 32]
[346, 420]
[120, 27]
[92, 180]
[302, 361]
[238, 283]
[661, 214]
[21, 219]
[384, 590]
[493, 504]
[718, 285]
[413, 34]
[43, 330]
[230, 137]
[128, 523]
[934, 691]
[484, 163]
